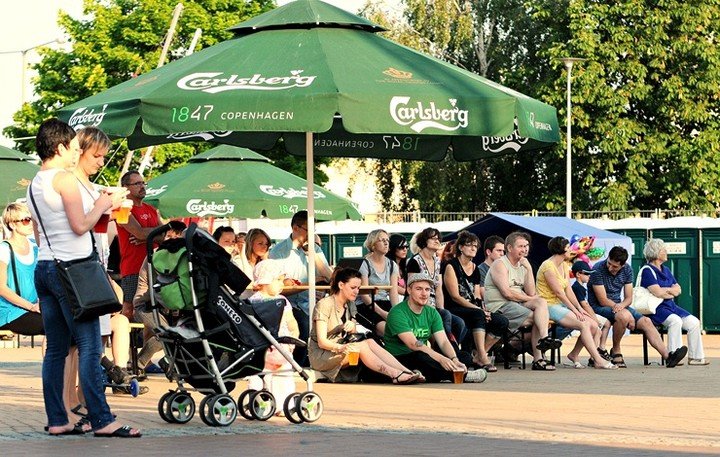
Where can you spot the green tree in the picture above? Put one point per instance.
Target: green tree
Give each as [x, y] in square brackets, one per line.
[118, 39]
[645, 103]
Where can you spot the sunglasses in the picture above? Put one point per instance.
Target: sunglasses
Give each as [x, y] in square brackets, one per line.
[25, 220]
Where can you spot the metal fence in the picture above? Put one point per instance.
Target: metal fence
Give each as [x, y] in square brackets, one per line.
[438, 216]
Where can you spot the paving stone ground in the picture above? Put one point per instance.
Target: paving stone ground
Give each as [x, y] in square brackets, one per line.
[641, 410]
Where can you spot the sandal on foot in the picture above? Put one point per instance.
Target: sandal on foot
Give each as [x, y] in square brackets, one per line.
[76, 410]
[574, 364]
[542, 365]
[489, 367]
[123, 432]
[421, 378]
[411, 380]
[617, 359]
[548, 343]
[606, 366]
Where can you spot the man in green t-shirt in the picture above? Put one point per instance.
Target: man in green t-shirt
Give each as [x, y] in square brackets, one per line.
[410, 325]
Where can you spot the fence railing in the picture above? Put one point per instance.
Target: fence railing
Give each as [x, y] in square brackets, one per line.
[440, 216]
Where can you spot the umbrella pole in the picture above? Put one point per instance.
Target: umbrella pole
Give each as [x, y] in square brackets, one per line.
[311, 221]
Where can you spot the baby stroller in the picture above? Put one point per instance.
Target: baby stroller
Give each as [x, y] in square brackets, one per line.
[213, 337]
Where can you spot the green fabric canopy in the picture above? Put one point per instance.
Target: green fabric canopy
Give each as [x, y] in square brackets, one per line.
[311, 67]
[17, 172]
[228, 181]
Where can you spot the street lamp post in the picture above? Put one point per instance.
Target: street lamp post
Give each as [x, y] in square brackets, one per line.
[569, 62]
[23, 72]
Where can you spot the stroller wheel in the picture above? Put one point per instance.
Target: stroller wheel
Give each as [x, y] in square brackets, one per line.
[162, 407]
[244, 404]
[290, 409]
[205, 415]
[181, 407]
[134, 387]
[309, 406]
[262, 405]
[223, 409]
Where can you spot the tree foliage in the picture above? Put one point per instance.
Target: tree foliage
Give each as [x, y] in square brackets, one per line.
[645, 103]
[118, 39]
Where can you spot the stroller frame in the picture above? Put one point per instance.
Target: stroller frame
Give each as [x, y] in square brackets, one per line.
[218, 408]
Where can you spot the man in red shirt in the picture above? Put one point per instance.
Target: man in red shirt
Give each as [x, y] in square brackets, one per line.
[131, 237]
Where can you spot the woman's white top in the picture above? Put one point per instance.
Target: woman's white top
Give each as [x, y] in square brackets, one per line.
[66, 245]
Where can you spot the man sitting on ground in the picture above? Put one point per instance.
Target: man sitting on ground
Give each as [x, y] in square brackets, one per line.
[510, 290]
[610, 292]
[410, 324]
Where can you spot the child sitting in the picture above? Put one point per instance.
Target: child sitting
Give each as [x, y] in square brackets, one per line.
[269, 277]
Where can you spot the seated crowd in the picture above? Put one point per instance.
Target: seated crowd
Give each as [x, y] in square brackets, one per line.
[408, 319]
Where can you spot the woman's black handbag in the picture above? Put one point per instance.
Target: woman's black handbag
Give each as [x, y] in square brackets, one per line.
[86, 282]
[87, 287]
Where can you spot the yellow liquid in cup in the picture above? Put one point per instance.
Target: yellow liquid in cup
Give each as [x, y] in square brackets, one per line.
[353, 358]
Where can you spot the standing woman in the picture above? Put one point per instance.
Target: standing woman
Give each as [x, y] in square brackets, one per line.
[397, 252]
[56, 199]
[378, 270]
[333, 318]
[19, 305]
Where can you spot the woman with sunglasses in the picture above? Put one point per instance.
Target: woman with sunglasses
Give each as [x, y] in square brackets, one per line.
[397, 252]
[19, 304]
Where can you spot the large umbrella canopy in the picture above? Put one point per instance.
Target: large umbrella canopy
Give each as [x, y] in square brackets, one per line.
[228, 181]
[311, 67]
[17, 172]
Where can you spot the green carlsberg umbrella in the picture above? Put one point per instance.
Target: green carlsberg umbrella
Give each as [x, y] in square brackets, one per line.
[228, 181]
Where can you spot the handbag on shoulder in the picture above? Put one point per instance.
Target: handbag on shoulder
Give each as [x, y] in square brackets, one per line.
[644, 301]
[85, 281]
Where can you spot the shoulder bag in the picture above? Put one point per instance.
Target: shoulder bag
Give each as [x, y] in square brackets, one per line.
[14, 267]
[644, 301]
[85, 280]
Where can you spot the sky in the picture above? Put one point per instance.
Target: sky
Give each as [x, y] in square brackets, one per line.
[29, 23]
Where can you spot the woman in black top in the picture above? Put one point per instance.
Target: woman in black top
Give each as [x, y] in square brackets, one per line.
[461, 288]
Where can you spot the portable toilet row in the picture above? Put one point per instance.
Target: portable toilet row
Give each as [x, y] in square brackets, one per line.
[693, 245]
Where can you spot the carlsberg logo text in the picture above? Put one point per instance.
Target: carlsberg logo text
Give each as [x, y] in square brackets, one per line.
[420, 116]
[201, 208]
[82, 117]
[219, 82]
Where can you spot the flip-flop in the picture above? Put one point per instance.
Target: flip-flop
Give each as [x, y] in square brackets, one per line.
[123, 432]
[73, 431]
[489, 367]
[574, 364]
[607, 366]
[421, 378]
[413, 379]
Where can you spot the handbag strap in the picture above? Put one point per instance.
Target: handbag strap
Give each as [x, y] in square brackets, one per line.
[639, 275]
[47, 238]
[14, 267]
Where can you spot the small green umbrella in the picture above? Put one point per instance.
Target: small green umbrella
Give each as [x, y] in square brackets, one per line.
[17, 172]
[228, 181]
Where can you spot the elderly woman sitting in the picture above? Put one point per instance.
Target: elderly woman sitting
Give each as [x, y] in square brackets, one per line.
[659, 280]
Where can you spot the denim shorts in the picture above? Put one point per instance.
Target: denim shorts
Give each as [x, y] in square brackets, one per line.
[557, 311]
[607, 313]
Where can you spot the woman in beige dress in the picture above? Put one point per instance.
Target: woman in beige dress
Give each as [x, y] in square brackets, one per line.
[333, 319]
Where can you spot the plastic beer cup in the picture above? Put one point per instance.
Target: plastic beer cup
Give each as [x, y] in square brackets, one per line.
[353, 358]
[122, 214]
[458, 376]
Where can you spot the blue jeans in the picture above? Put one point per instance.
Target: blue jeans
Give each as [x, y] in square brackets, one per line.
[60, 327]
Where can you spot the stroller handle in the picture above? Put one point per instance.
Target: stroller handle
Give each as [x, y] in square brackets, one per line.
[150, 242]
